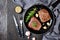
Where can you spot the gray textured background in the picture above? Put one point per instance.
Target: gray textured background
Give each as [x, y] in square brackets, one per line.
[3, 20]
[7, 26]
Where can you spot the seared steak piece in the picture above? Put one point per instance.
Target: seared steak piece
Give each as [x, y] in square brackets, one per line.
[44, 15]
[34, 24]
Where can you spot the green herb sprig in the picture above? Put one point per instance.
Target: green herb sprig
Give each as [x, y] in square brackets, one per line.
[30, 14]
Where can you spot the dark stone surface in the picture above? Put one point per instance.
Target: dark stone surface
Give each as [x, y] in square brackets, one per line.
[11, 30]
[3, 20]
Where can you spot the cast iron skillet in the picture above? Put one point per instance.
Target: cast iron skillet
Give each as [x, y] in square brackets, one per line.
[51, 13]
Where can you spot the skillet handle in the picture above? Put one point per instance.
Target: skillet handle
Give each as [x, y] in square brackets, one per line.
[40, 37]
[55, 4]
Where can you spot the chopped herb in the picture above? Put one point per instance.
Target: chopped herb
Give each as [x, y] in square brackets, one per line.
[34, 24]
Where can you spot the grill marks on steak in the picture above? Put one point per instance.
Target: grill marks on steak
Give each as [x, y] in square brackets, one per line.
[44, 15]
[38, 24]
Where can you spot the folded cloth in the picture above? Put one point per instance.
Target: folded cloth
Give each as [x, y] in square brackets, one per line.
[55, 35]
[27, 3]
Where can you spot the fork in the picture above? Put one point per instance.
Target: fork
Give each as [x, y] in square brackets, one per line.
[21, 23]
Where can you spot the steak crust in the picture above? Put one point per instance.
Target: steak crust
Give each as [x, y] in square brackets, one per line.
[44, 15]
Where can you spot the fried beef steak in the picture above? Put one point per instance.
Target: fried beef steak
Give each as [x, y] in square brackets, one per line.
[34, 24]
[44, 15]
